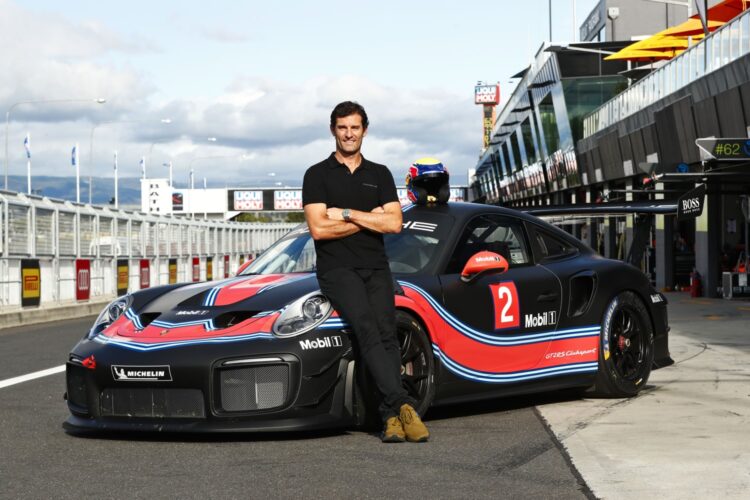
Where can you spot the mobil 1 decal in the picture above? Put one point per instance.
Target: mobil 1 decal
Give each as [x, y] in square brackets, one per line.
[505, 300]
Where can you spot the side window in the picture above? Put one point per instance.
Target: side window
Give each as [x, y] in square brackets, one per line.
[492, 233]
[552, 247]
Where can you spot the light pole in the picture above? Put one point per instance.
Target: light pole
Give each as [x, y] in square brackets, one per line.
[42, 101]
[91, 145]
[169, 164]
[151, 147]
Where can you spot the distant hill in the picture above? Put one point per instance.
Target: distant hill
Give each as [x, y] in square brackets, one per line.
[64, 188]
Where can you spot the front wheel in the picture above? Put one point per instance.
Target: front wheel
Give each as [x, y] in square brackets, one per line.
[417, 361]
[626, 348]
[417, 371]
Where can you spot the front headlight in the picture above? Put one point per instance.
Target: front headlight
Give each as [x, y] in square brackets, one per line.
[303, 315]
[109, 314]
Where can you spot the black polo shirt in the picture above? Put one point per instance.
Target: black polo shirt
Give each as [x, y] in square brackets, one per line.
[371, 185]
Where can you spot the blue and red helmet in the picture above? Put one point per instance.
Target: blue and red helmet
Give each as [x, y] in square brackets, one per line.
[427, 182]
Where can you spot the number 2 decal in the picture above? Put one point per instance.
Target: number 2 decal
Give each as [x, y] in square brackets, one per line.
[505, 299]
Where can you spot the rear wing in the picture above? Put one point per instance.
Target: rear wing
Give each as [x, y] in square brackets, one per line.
[688, 206]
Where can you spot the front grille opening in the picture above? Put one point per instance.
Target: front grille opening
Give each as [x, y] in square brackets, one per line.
[147, 402]
[232, 318]
[76, 385]
[252, 388]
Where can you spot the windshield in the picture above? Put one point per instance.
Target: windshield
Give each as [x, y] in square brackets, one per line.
[409, 252]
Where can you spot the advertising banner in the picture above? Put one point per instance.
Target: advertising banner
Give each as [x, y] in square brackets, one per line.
[177, 202]
[145, 273]
[246, 200]
[488, 122]
[226, 266]
[287, 200]
[123, 276]
[487, 94]
[31, 283]
[209, 268]
[196, 269]
[172, 271]
[83, 279]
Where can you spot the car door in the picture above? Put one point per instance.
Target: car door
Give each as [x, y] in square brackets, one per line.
[498, 321]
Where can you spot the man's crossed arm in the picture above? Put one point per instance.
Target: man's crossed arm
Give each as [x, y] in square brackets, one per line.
[329, 224]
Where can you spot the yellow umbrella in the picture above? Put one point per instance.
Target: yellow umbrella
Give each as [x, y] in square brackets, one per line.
[658, 42]
[630, 54]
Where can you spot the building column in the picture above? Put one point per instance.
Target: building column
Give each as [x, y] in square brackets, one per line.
[629, 219]
[576, 227]
[708, 229]
[610, 231]
[664, 251]
[593, 227]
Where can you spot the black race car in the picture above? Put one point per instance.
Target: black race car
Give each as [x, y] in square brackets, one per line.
[490, 302]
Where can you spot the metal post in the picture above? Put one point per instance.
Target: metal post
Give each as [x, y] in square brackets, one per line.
[117, 201]
[78, 173]
[550, 21]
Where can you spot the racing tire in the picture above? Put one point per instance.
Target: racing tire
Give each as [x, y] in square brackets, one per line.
[626, 348]
[417, 372]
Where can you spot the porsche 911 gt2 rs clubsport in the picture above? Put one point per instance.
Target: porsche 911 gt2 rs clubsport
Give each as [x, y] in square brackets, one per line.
[490, 302]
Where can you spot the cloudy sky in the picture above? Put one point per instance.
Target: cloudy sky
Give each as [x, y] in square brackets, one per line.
[260, 77]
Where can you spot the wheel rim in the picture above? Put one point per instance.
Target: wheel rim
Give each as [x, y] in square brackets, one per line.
[414, 363]
[628, 344]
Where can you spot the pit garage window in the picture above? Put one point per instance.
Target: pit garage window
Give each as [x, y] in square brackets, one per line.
[492, 233]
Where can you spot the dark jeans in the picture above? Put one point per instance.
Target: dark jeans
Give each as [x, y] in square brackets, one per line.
[364, 299]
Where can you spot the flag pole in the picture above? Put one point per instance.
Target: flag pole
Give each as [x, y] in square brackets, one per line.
[117, 203]
[27, 143]
[78, 173]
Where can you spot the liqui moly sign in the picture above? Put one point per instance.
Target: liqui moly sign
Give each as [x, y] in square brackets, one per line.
[487, 94]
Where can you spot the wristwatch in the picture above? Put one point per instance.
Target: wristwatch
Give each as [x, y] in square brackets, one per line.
[346, 214]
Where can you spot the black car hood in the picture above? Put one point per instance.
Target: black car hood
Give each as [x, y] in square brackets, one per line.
[256, 293]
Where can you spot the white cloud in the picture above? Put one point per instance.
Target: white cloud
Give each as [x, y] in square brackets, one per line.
[222, 35]
[46, 57]
[284, 125]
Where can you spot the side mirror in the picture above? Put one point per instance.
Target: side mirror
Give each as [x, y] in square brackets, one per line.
[243, 266]
[482, 263]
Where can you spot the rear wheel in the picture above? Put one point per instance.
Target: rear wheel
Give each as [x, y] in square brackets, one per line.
[626, 348]
[417, 371]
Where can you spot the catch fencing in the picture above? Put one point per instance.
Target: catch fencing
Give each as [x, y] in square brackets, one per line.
[56, 252]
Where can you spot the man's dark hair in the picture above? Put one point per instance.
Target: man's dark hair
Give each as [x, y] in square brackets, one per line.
[348, 108]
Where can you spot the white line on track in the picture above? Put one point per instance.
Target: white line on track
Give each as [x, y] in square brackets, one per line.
[31, 376]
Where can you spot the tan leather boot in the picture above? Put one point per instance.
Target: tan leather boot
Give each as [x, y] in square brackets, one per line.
[414, 428]
[393, 432]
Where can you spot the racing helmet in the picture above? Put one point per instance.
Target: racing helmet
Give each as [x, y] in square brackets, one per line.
[427, 182]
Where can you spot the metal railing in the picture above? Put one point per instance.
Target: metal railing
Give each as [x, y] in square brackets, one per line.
[55, 234]
[722, 46]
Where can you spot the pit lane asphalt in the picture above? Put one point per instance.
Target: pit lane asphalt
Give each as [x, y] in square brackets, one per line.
[492, 449]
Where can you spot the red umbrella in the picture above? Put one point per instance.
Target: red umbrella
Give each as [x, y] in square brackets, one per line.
[726, 10]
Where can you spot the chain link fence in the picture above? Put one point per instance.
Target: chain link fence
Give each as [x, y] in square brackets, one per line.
[56, 252]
